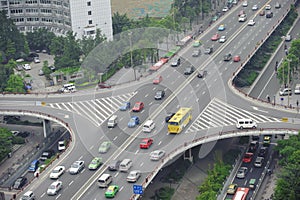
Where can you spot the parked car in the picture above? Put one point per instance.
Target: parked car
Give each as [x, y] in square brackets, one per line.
[225, 9]
[134, 120]
[54, 188]
[19, 183]
[104, 85]
[57, 172]
[36, 60]
[19, 67]
[133, 176]
[26, 67]
[138, 106]
[125, 106]
[285, 92]
[76, 167]
[61, 145]
[46, 155]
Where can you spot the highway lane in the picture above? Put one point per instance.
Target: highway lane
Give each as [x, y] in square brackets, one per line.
[184, 95]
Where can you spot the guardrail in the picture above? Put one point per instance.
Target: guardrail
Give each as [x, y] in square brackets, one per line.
[209, 138]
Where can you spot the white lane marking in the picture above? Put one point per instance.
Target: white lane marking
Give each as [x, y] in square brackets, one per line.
[71, 183]
[159, 143]
[136, 151]
[82, 171]
[91, 147]
[121, 188]
[116, 174]
[154, 88]
[203, 92]
[43, 195]
[146, 95]
[150, 103]
[256, 108]
[141, 164]
[142, 111]
[115, 138]
[80, 157]
[58, 196]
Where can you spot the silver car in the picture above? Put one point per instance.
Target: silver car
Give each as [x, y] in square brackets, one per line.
[242, 172]
[54, 188]
[157, 154]
[133, 176]
[76, 167]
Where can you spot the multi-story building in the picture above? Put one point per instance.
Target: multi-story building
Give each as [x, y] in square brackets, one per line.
[83, 17]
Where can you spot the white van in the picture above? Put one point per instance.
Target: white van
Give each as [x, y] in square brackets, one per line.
[148, 126]
[245, 123]
[69, 87]
[125, 165]
[104, 180]
[112, 121]
[297, 89]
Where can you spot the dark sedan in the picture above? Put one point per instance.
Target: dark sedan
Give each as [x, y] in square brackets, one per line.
[20, 183]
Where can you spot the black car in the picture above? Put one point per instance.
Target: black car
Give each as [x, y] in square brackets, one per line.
[208, 50]
[20, 183]
[202, 74]
[46, 155]
[227, 57]
[263, 151]
[189, 70]
[169, 116]
[269, 14]
[176, 63]
[159, 95]
[253, 146]
[114, 165]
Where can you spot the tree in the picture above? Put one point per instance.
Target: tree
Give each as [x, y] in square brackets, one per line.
[120, 22]
[5, 142]
[15, 84]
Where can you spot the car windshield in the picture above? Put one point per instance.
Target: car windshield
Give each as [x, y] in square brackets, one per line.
[55, 171]
[137, 105]
[52, 187]
[132, 120]
[103, 145]
[94, 161]
[75, 166]
[144, 142]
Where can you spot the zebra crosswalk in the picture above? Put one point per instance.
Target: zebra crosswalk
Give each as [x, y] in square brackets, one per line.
[219, 113]
[96, 110]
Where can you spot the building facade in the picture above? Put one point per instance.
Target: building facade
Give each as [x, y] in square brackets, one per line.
[83, 17]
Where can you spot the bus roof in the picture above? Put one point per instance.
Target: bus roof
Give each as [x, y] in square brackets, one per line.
[241, 193]
[180, 113]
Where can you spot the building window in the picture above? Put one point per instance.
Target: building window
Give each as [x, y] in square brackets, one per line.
[90, 21]
[89, 12]
[89, 3]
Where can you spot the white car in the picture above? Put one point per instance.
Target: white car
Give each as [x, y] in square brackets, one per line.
[26, 67]
[57, 172]
[222, 39]
[157, 154]
[36, 60]
[76, 167]
[245, 4]
[254, 7]
[61, 145]
[54, 188]
[243, 18]
[268, 7]
[225, 9]
[133, 176]
[28, 196]
[251, 22]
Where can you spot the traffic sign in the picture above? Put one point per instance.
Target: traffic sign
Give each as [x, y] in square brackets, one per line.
[137, 189]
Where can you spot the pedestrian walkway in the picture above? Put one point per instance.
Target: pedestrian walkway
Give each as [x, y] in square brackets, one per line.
[97, 110]
[218, 113]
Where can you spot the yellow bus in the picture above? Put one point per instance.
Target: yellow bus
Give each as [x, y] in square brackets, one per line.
[179, 120]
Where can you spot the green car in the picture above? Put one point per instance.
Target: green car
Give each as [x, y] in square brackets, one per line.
[197, 43]
[104, 147]
[95, 163]
[112, 191]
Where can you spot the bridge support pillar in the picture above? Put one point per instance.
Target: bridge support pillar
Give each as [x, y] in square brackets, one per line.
[188, 155]
[46, 127]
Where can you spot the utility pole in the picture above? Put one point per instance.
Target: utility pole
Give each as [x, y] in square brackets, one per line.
[288, 80]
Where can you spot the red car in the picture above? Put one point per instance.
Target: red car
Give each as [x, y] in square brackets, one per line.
[157, 80]
[236, 58]
[215, 37]
[146, 143]
[104, 85]
[247, 157]
[138, 106]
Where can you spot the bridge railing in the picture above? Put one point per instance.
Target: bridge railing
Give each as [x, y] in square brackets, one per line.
[209, 138]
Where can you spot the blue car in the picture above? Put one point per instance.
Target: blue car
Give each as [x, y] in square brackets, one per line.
[134, 120]
[125, 106]
[221, 27]
[33, 166]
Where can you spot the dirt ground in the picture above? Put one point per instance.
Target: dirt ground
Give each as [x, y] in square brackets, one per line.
[140, 8]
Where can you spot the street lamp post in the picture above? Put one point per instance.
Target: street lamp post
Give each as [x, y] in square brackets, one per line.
[288, 80]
